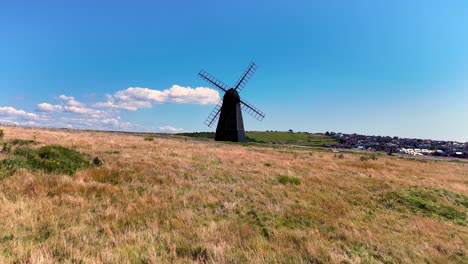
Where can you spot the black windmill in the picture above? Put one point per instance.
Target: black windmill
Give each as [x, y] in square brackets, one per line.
[230, 125]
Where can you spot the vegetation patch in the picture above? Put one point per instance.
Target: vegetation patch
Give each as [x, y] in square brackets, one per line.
[112, 152]
[9, 166]
[149, 138]
[276, 137]
[429, 202]
[197, 253]
[284, 179]
[8, 146]
[50, 159]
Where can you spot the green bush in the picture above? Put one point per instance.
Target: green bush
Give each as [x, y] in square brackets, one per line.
[2, 134]
[8, 146]
[284, 179]
[21, 142]
[53, 159]
[149, 138]
[9, 166]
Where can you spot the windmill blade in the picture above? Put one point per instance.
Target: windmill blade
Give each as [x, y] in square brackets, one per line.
[211, 79]
[244, 79]
[253, 111]
[210, 120]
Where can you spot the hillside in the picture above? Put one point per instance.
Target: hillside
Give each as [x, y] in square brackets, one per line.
[276, 137]
[167, 199]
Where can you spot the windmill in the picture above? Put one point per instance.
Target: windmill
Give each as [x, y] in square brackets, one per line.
[231, 125]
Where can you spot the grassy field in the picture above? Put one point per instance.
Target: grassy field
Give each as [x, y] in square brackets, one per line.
[271, 137]
[179, 200]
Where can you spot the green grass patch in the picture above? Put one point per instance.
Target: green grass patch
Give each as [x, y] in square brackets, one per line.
[8, 146]
[284, 179]
[429, 202]
[9, 166]
[149, 138]
[277, 137]
[112, 152]
[303, 139]
[197, 253]
[51, 159]
[210, 135]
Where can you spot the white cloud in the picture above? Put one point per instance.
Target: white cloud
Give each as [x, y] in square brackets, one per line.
[134, 98]
[71, 113]
[170, 129]
[46, 107]
[8, 111]
[72, 106]
[81, 110]
[70, 100]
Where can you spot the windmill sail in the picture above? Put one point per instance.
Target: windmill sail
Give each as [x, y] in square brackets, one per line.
[253, 111]
[244, 79]
[211, 79]
[210, 120]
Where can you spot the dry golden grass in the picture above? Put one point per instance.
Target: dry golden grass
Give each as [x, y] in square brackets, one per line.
[176, 200]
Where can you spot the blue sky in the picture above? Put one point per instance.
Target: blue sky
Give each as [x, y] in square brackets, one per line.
[397, 68]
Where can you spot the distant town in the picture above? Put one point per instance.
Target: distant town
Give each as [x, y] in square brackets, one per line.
[407, 146]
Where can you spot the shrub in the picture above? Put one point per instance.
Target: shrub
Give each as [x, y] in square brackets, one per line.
[1, 134]
[149, 138]
[54, 159]
[284, 179]
[9, 166]
[21, 142]
[8, 146]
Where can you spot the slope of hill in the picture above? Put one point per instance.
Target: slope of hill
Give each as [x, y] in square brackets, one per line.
[176, 200]
[275, 137]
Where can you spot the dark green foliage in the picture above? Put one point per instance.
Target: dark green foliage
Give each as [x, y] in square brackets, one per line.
[8, 146]
[210, 135]
[9, 166]
[284, 179]
[429, 202]
[21, 142]
[2, 134]
[53, 159]
[197, 253]
[149, 138]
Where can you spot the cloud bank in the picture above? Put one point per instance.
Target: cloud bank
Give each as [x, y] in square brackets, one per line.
[133, 98]
[68, 112]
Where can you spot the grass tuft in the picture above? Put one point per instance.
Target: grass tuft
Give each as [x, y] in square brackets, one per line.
[284, 179]
[197, 253]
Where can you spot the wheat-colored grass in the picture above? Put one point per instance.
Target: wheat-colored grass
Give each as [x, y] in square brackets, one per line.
[176, 200]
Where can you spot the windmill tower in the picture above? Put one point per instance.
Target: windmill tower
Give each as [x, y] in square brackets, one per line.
[231, 125]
